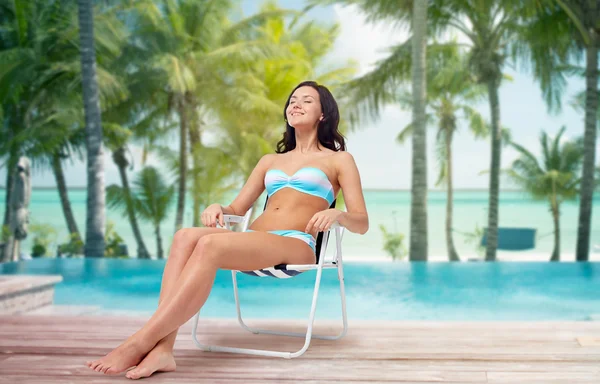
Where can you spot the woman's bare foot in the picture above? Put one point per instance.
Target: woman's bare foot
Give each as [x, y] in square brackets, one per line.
[125, 356]
[158, 360]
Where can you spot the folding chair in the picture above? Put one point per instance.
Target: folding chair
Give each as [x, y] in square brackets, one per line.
[286, 271]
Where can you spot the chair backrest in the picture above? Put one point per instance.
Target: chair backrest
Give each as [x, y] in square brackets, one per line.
[319, 241]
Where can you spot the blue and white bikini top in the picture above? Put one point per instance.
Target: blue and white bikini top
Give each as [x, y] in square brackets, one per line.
[309, 180]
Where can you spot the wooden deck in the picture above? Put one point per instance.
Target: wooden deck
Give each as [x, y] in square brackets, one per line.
[53, 349]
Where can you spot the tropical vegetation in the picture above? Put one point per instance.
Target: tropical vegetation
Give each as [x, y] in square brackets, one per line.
[555, 177]
[200, 86]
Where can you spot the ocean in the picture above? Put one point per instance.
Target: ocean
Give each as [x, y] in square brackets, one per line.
[388, 207]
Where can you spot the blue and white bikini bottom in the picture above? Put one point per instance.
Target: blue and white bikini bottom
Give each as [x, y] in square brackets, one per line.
[306, 237]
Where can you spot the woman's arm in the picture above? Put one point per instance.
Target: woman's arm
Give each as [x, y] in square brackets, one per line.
[251, 191]
[355, 219]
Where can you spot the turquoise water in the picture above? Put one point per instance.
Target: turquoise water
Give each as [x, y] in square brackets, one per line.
[390, 208]
[375, 291]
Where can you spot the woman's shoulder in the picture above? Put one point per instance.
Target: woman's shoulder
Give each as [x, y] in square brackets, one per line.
[342, 157]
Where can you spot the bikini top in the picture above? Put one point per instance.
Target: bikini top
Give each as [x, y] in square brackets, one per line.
[309, 180]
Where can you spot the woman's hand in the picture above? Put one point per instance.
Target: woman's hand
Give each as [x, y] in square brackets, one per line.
[321, 221]
[211, 215]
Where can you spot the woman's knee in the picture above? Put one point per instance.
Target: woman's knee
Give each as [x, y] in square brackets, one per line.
[184, 242]
[209, 248]
[188, 236]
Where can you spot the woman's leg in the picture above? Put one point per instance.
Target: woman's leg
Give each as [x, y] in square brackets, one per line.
[161, 356]
[239, 251]
[183, 245]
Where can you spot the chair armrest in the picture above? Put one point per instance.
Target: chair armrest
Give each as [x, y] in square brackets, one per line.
[233, 219]
[336, 225]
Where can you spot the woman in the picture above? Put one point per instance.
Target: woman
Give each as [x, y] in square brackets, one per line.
[301, 179]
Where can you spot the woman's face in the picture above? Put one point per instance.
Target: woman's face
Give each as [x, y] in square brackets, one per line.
[304, 110]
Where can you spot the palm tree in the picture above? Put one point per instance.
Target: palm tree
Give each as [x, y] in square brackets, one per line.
[575, 32]
[451, 90]
[120, 159]
[490, 28]
[151, 203]
[378, 88]
[418, 248]
[134, 119]
[555, 177]
[42, 78]
[252, 130]
[95, 219]
[196, 48]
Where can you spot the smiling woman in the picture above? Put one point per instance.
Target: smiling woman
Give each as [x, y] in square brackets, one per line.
[302, 179]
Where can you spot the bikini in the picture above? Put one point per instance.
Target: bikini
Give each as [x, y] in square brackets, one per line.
[309, 180]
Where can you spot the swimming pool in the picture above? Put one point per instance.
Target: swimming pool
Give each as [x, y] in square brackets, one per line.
[375, 291]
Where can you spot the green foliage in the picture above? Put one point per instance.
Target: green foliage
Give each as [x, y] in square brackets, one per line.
[154, 195]
[38, 250]
[44, 235]
[393, 243]
[474, 238]
[556, 176]
[74, 248]
[452, 89]
[5, 233]
[113, 242]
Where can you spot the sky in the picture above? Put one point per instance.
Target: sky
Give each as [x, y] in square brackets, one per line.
[384, 164]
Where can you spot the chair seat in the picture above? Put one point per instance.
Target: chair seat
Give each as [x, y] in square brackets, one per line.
[284, 271]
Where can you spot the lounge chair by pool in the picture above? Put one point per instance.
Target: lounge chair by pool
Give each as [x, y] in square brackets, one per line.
[513, 239]
[287, 271]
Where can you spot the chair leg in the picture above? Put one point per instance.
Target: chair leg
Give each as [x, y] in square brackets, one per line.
[296, 334]
[287, 355]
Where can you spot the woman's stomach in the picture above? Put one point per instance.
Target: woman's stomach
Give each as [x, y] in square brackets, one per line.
[289, 209]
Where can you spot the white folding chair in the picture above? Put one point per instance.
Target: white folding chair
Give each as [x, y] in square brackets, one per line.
[287, 271]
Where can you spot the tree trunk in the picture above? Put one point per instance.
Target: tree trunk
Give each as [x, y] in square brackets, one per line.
[492, 230]
[452, 255]
[589, 151]
[10, 166]
[63, 195]
[556, 218]
[159, 247]
[195, 145]
[183, 122]
[122, 163]
[6, 255]
[95, 219]
[418, 209]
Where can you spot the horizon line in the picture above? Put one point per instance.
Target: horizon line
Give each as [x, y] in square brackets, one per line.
[364, 189]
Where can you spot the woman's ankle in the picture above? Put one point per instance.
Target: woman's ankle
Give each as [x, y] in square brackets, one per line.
[165, 346]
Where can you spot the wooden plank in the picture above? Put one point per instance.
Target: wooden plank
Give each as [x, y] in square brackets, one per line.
[236, 363]
[543, 377]
[335, 348]
[393, 335]
[92, 352]
[268, 369]
[489, 326]
[589, 341]
[54, 349]
[165, 379]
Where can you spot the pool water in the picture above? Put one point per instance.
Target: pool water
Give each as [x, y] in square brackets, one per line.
[506, 291]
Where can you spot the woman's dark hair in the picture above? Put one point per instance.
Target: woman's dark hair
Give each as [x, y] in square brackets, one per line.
[327, 130]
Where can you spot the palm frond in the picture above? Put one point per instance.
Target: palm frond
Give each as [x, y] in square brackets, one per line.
[477, 124]
[441, 157]
[405, 133]
[379, 87]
